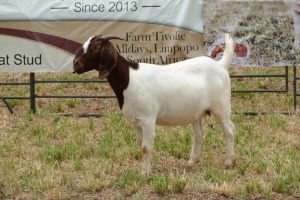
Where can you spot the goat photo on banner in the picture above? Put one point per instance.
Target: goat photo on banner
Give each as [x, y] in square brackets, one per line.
[295, 9]
[266, 32]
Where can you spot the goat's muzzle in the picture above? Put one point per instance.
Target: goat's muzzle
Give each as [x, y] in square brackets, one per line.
[77, 67]
[78, 70]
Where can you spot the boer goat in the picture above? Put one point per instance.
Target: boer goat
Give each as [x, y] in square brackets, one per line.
[174, 94]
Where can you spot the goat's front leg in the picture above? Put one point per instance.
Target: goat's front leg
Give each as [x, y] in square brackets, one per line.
[148, 129]
[197, 141]
[139, 134]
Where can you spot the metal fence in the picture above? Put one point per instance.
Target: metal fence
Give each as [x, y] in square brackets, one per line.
[296, 94]
[284, 76]
[33, 95]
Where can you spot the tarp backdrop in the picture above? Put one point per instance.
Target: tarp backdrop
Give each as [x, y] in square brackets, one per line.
[43, 36]
[266, 32]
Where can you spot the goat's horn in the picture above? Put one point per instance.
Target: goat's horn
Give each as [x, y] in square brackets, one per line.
[112, 37]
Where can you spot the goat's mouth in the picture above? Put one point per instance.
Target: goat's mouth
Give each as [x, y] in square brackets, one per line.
[78, 70]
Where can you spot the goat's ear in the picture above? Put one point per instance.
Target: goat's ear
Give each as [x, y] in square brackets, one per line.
[108, 59]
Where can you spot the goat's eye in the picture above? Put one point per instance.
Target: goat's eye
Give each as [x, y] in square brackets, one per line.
[89, 52]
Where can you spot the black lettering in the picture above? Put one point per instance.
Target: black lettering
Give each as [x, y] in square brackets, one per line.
[149, 59]
[137, 38]
[38, 60]
[130, 48]
[161, 36]
[167, 59]
[26, 60]
[187, 49]
[81, 7]
[130, 58]
[4, 60]
[77, 7]
[18, 59]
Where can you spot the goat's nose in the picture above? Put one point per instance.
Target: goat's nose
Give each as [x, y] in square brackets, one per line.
[75, 62]
[75, 65]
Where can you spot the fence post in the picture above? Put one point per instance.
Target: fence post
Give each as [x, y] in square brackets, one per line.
[295, 87]
[287, 78]
[32, 93]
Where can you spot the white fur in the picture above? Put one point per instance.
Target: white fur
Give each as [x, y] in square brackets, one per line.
[86, 44]
[178, 94]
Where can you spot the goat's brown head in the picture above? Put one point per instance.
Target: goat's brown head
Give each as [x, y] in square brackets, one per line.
[97, 53]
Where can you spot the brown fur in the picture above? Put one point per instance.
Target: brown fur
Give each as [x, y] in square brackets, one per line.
[102, 56]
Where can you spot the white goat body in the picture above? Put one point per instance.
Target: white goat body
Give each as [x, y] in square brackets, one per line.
[175, 94]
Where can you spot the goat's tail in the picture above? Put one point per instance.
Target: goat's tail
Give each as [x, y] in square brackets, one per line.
[228, 53]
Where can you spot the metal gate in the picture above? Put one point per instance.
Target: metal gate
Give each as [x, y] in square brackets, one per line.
[33, 94]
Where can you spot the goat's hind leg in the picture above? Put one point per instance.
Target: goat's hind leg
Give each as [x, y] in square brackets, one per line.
[197, 141]
[228, 129]
[148, 130]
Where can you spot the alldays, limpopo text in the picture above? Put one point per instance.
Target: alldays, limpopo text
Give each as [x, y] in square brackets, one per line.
[159, 47]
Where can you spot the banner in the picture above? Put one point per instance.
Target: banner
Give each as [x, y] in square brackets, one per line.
[266, 32]
[43, 36]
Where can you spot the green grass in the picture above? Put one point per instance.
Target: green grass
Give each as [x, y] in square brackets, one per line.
[39, 161]
[160, 184]
[49, 156]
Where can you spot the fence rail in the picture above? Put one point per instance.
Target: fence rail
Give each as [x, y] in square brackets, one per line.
[33, 96]
[285, 76]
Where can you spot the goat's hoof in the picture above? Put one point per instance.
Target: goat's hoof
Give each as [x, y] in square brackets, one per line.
[146, 171]
[229, 164]
[192, 162]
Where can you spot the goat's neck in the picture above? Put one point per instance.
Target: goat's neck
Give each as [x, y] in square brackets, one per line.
[119, 77]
